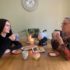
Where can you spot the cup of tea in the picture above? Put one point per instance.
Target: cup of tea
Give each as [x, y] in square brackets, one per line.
[25, 54]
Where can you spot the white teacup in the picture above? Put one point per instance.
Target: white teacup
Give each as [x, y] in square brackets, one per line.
[25, 54]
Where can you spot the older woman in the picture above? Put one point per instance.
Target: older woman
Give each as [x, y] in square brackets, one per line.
[61, 39]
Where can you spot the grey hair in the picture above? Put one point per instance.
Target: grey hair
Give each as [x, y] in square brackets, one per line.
[68, 18]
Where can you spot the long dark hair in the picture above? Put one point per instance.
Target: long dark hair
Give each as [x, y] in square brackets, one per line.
[2, 24]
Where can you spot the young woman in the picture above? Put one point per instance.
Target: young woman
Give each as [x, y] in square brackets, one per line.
[8, 41]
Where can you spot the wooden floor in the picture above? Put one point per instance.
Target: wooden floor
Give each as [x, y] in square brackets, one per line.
[15, 62]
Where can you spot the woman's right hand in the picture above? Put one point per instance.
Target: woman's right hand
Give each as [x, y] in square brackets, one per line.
[12, 37]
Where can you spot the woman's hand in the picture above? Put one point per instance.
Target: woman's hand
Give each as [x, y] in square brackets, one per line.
[56, 36]
[12, 37]
[59, 39]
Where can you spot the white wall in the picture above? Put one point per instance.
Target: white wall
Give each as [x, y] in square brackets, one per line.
[48, 15]
[68, 8]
